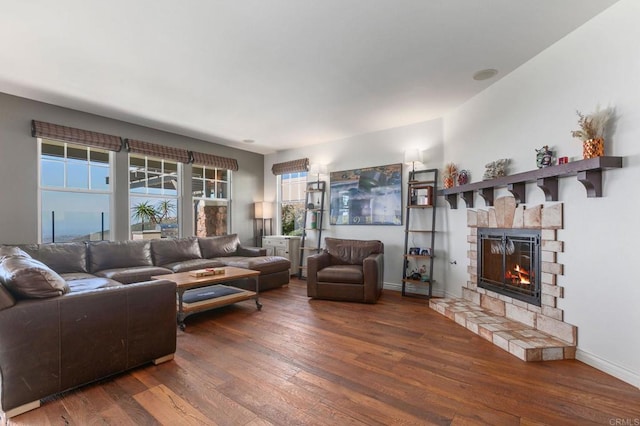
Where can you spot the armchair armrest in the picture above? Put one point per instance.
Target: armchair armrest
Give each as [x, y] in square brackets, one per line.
[315, 262]
[373, 270]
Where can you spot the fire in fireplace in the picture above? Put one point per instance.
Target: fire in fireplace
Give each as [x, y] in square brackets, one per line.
[509, 262]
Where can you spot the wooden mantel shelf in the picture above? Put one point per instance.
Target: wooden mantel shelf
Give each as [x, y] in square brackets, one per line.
[588, 172]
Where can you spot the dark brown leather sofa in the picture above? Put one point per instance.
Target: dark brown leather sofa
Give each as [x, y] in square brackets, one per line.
[348, 270]
[73, 313]
[56, 335]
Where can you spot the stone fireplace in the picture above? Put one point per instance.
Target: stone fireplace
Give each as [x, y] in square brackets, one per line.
[498, 303]
[509, 262]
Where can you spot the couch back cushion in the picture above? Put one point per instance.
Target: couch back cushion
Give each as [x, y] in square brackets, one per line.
[119, 254]
[219, 246]
[28, 278]
[171, 250]
[64, 258]
[351, 252]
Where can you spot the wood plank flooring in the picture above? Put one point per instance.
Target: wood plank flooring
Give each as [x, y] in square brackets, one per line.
[314, 362]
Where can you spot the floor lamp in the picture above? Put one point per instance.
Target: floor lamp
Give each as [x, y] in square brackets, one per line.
[263, 212]
[412, 156]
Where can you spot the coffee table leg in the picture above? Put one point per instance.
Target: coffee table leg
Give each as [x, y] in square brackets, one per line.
[258, 304]
[181, 315]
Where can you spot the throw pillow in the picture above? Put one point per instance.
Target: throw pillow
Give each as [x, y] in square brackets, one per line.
[28, 278]
[10, 251]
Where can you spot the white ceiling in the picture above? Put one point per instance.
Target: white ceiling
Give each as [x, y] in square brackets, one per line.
[285, 73]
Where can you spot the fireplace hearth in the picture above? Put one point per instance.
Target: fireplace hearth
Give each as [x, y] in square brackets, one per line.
[511, 296]
[508, 263]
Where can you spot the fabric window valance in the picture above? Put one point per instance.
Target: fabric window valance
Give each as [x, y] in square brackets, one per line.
[40, 129]
[300, 165]
[159, 151]
[210, 160]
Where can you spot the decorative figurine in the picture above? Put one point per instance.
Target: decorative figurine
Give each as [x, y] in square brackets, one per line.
[543, 157]
[463, 177]
[495, 169]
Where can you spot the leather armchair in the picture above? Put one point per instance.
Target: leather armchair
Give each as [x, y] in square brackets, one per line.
[348, 270]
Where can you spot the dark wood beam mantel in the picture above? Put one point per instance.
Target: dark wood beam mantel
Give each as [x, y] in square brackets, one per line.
[588, 172]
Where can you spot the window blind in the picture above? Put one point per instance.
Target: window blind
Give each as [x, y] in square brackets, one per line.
[210, 160]
[159, 151]
[300, 165]
[41, 129]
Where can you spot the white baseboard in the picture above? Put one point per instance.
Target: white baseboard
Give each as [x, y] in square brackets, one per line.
[418, 290]
[614, 370]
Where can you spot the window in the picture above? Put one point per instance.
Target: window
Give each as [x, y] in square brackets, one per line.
[75, 193]
[153, 197]
[292, 195]
[210, 188]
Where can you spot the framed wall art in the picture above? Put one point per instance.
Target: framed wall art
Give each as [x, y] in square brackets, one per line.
[367, 196]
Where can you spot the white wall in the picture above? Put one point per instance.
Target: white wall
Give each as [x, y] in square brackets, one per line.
[535, 105]
[19, 165]
[367, 150]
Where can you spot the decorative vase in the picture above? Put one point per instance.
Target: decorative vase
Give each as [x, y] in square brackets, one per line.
[463, 177]
[448, 182]
[592, 148]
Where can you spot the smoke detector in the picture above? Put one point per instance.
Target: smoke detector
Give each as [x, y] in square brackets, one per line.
[485, 74]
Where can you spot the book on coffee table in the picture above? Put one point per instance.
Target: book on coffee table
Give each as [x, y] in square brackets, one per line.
[206, 272]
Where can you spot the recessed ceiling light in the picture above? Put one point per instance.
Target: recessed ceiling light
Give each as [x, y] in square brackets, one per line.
[485, 74]
[248, 140]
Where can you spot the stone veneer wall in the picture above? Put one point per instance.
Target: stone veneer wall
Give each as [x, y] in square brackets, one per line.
[547, 318]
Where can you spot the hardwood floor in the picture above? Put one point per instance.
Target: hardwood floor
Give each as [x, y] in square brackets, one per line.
[313, 362]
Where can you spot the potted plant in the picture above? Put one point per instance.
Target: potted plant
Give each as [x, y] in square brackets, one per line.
[591, 132]
[153, 215]
[144, 211]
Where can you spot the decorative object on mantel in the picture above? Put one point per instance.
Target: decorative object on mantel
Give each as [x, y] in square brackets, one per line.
[449, 175]
[543, 157]
[463, 177]
[591, 132]
[495, 169]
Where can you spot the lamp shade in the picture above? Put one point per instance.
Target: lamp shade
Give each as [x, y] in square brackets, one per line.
[318, 169]
[262, 210]
[412, 156]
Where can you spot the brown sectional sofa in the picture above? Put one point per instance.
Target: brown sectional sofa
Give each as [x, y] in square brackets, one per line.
[74, 313]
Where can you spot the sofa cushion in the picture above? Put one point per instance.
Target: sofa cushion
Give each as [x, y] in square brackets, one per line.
[351, 252]
[119, 254]
[351, 274]
[9, 251]
[264, 264]
[135, 274]
[223, 245]
[172, 250]
[61, 257]
[72, 276]
[90, 283]
[190, 265]
[28, 278]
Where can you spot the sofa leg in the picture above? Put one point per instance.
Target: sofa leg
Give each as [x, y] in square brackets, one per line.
[163, 359]
[22, 409]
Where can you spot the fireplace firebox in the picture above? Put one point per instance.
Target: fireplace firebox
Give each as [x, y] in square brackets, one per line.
[509, 262]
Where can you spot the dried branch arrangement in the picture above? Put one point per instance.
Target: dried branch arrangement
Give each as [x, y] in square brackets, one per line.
[592, 126]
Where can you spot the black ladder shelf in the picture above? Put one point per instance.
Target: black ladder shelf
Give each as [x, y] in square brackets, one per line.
[420, 230]
[313, 209]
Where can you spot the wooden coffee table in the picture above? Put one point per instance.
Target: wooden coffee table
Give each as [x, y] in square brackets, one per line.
[186, 281]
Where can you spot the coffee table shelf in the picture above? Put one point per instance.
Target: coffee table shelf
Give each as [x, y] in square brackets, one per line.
[185, 281]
